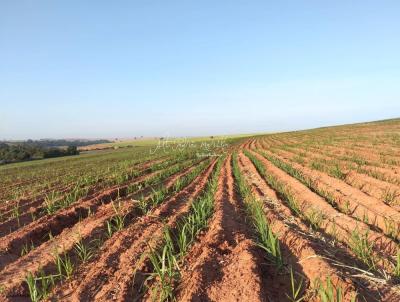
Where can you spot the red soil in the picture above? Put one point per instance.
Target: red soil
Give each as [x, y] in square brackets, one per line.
[222, 265]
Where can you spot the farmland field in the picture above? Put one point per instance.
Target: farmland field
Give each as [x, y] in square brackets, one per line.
[298, 216]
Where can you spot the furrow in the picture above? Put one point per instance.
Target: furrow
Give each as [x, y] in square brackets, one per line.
[224, 264]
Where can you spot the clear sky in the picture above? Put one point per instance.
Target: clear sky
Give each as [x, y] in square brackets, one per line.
[129, 68]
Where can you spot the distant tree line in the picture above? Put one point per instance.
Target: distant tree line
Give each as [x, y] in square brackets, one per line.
[29, 150]
[63, 142]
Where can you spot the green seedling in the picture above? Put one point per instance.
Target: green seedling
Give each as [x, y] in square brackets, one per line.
[296, 289]
[266, 239]
[315, 218]
[363, 248]
[64, 265]
[389, 196]
[83, 251]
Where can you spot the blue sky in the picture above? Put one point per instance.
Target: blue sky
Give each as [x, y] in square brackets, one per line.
[129, 68]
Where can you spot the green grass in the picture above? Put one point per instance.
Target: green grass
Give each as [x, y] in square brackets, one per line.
[172, 142]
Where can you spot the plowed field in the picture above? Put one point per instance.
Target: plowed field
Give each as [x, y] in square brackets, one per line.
[298, 216]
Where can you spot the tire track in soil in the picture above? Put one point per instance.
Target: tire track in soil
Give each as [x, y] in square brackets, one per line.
[223, 265]
[111, 276]
[13, 276]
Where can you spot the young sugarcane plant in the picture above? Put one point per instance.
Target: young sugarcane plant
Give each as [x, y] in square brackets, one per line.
[65, 266]
[39, 287]
[329, 293]
[396, 270]
[267, 240]
[116, 223]
[362, 247]
[83, 251]
[165, 269]
[295, 288]
[166, 259]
